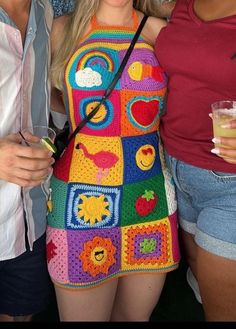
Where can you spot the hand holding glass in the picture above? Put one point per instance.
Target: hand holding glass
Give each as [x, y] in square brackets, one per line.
[223, 112]
[39, 137]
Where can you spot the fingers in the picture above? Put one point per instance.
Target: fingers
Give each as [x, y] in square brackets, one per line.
[229, 160]
[23, 182]
[31, 175]
[29, 137]
[26, 177]
[224, 152]
[31, 152]
[231, 124]
[33, 164]
[11, 148]
[15, 138]
[26, 172]
[226, 148]
[23, 165]
[227, 142]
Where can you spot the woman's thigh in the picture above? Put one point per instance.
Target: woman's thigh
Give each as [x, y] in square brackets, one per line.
[137, 296]
[94, 304]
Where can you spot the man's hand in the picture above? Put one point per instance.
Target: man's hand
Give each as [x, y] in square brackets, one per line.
[23, 165]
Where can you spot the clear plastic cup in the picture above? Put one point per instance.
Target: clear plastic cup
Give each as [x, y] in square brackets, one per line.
[222, 113]
[33, 136]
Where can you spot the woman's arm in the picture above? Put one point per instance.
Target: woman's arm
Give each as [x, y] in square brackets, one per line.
[152, 29]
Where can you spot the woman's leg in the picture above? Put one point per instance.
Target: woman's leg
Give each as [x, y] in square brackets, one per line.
[136, 297]
[217, 282]
[190, 253]
[94, 304]
[216, 279]
[7, 318]
[190, 250]
[207, 210]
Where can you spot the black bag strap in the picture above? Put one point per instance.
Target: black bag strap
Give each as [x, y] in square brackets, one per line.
[112, 84]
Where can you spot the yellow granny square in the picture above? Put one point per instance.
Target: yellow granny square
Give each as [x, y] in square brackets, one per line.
[97, 161]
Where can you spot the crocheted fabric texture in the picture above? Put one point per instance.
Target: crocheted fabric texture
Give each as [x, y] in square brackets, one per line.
[113, 203]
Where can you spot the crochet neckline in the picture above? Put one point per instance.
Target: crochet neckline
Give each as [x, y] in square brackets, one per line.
[135, 21]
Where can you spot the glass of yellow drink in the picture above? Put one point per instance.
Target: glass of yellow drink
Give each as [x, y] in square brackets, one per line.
[39, 136]
[222, 113]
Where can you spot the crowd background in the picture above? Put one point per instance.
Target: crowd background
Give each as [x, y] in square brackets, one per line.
[62, 7]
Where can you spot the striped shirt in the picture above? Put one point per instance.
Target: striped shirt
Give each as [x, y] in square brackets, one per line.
[24, 101]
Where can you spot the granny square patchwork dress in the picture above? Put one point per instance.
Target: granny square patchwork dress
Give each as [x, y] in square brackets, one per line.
[113, 203]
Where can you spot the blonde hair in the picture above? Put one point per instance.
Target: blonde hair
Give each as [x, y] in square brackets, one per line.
[74, 30]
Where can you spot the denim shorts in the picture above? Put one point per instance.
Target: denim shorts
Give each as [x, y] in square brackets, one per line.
[25, 285]
[206, 206]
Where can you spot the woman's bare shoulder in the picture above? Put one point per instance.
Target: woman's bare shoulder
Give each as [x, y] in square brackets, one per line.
[152, 28]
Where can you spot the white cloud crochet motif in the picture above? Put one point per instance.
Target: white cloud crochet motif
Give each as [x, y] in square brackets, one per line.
[88, 78]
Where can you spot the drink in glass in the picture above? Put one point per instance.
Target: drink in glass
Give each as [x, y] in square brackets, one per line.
[222, 113]
[39, 136]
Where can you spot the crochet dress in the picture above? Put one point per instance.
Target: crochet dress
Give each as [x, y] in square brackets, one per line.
[113, 203]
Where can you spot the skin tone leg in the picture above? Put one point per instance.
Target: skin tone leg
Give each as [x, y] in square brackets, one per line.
[216, 278]
[136, 297]
[6, 318]
[86, 305]
[190, 250]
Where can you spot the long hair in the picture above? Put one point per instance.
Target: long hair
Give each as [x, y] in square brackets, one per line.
[74, 30]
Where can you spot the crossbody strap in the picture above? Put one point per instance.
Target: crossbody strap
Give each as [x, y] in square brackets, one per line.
[112, 84]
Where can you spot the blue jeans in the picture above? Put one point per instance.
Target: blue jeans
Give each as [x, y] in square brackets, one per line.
[206, 206]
